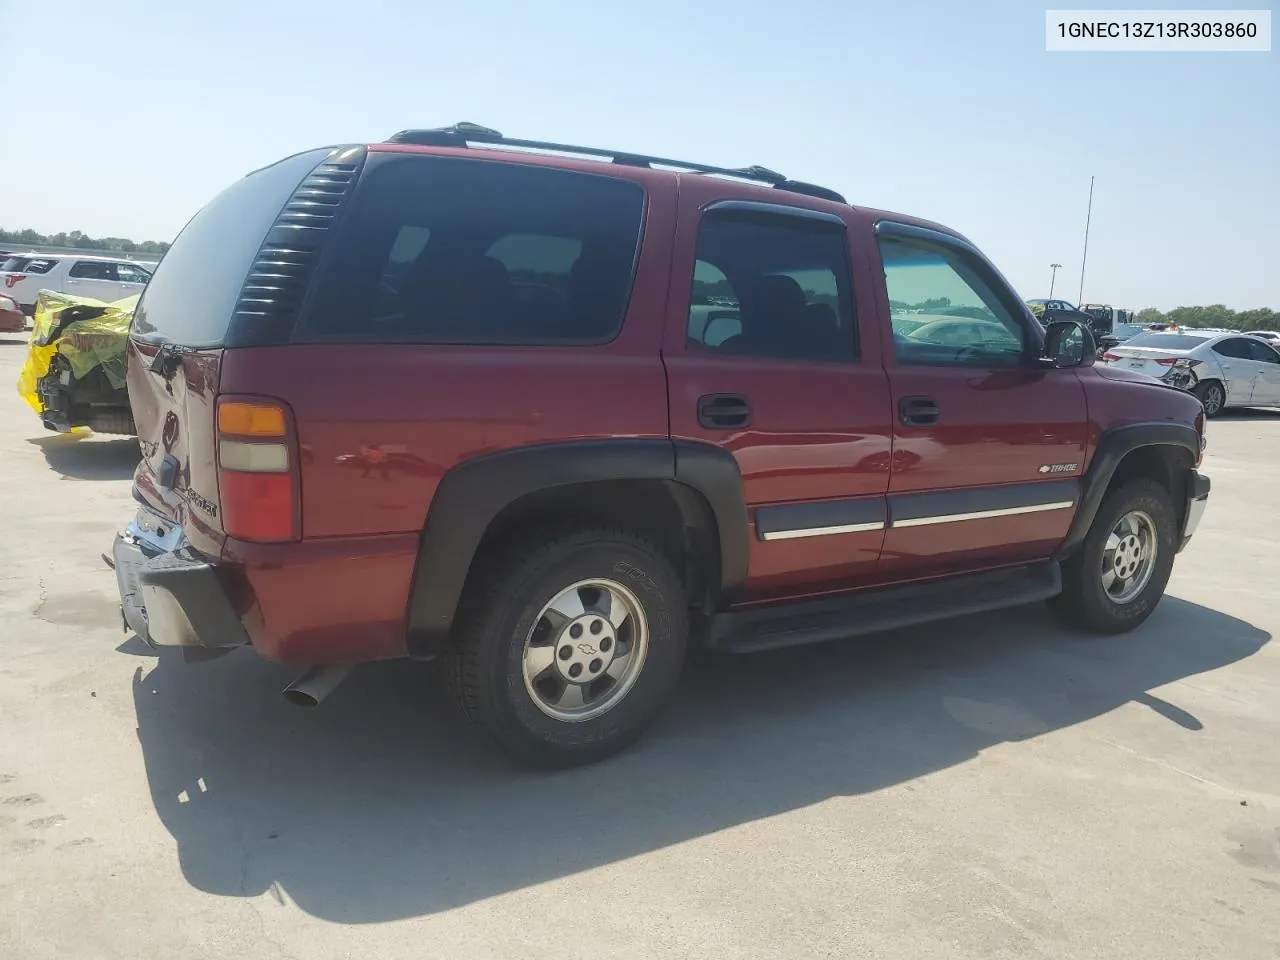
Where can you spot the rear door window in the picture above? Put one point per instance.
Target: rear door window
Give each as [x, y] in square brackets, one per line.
[40, 265]
[1262, 353]
[1237, 348]
[443, 250]
[771, 284]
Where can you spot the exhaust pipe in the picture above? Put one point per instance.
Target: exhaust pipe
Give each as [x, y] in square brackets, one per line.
[316, 683]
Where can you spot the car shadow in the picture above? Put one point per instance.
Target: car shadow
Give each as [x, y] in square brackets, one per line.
[83, 457]
[13, 341]
[379, 806]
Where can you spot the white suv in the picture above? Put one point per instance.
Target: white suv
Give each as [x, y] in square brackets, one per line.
[107, 279]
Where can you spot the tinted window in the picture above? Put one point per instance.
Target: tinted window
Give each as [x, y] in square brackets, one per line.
[15, 264]
[1165, 341]
[194, 290]
[440, 250]
[1236, 348]
[41, 265]
[1262, 352]
[713, 307]
[93, 270]
[772, 286]
[944, 310]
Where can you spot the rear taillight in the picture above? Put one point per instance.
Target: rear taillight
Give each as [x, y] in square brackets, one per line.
[257, 470]
[1110, 357]
[1167, 361]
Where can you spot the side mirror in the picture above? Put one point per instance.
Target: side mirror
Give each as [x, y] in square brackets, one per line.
[1068, 343]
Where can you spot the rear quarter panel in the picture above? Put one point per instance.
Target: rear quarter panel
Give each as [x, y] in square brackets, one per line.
[379, 424]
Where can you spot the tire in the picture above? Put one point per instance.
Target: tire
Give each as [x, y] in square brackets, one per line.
[1212, 397]
[1085, 601]
[502, 616]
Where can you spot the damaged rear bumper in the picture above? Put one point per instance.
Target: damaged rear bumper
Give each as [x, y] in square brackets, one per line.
[170, 595]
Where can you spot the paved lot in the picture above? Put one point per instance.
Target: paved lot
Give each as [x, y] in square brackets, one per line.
[993, 788]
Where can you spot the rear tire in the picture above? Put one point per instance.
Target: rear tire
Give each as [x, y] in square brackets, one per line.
[569, 644]
[1116, 578]
[1213, 397]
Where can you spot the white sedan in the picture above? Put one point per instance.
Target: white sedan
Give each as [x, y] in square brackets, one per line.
[1222, 369]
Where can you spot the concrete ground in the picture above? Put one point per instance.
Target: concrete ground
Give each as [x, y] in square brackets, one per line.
[996, 787]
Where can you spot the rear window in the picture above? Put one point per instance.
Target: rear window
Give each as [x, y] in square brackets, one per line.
[440, 250]
[194, 290]
[15, 264]
[1165, 341]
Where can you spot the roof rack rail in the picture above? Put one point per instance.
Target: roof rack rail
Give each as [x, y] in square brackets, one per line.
[464, 134]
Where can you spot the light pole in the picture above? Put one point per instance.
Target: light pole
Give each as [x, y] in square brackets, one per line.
[1084, 257]
[1053, 278]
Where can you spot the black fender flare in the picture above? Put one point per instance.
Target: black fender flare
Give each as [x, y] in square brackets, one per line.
[472, 493]
[1113, 446]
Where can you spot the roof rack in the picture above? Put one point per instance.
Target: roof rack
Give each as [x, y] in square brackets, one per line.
[464, 134]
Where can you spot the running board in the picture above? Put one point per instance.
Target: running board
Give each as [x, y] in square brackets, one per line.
[871, 611]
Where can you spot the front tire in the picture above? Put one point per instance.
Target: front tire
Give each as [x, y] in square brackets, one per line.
[570, 644]
[1213, 397]
[1120, 572]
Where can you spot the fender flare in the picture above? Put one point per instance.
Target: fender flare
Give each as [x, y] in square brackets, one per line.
[1114, 445]
[473, 493]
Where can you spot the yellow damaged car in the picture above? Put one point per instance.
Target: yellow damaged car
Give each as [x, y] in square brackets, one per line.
[74, 372]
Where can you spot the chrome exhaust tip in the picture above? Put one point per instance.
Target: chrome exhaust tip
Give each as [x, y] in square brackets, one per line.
[316, 683]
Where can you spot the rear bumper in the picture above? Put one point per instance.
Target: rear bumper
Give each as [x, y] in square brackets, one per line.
[330, 600]
[1197, 499]
[173, 599]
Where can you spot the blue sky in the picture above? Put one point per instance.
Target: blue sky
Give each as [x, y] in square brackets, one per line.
[949, 111]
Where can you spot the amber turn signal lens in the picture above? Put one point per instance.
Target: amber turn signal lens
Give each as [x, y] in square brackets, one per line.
[251, 419]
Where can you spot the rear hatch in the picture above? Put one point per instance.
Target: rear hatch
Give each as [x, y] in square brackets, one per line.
[22, 278]
[217, 289]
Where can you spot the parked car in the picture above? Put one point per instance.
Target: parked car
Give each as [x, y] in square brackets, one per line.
[1222, 369]
[470, 410]
[1118, 335]
[12, 319]
[74, 371]
[1050, 310]
[1271, 336]
[100, 278]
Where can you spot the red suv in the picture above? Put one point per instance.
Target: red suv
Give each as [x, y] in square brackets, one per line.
[550, 413]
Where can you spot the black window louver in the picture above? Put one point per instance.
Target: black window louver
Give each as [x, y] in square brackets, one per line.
[277, 282]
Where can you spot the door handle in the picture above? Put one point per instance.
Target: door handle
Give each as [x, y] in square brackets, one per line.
[918, 411]
[724, 411]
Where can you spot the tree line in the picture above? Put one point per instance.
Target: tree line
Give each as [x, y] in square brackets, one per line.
[1215, 315]
[80, 241]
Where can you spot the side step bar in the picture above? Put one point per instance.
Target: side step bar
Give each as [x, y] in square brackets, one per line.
[793, 624]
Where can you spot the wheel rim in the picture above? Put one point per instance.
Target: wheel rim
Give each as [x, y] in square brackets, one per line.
[586, 650]
[1212, 400]
[1129, 557]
